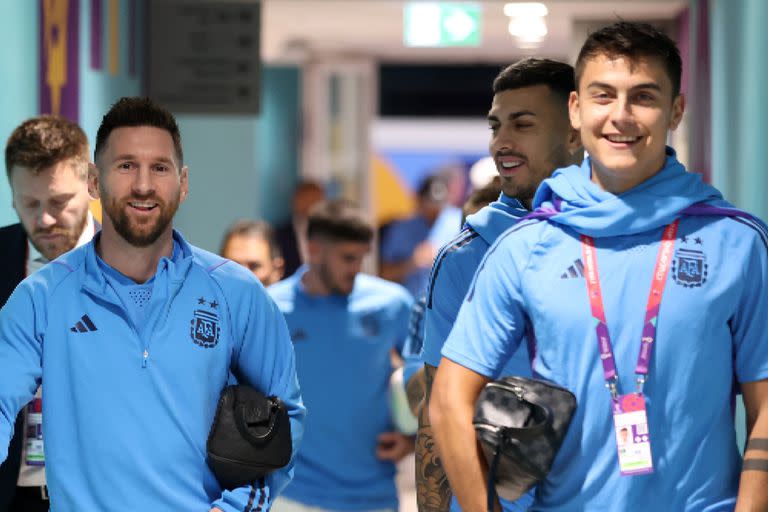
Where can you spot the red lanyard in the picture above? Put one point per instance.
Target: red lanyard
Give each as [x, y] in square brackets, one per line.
[663, 261]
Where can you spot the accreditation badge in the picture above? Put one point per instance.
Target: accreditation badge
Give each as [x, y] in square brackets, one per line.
[633, 441]
[34, 453]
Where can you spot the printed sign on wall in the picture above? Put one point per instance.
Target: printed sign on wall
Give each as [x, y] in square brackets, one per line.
[204, 55]
[59, 58]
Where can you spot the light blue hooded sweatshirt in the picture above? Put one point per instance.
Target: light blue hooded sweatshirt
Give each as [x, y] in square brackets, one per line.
[712, 333]
[127, 408]
[449, 281]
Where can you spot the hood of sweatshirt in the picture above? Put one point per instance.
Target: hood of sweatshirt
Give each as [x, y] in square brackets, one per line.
[592, 211]
[497, 217]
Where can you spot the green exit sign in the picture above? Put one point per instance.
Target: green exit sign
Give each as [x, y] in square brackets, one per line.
[438, 24]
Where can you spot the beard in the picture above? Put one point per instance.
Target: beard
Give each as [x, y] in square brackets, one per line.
[328, 280]
[67, 241]
[524, 191]
[144, 232]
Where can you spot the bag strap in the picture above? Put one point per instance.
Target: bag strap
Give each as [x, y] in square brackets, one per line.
[492, 477]
[519, 458]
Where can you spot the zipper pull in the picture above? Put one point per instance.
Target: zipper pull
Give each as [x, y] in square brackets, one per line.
[145, 357]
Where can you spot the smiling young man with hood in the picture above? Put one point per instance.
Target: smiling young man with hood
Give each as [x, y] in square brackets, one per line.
[645, 291]
[530, 138]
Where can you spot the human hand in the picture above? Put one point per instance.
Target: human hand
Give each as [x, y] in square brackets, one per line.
[393, 446]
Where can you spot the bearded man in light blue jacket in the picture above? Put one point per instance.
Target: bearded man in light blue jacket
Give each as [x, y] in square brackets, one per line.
[135, 335]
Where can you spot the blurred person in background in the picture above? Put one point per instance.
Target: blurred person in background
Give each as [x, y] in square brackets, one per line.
[344, 326]
[413, 371]
[251, 243]
[531, 136]
[291, 236]
[409, 246]
[46, 161]
[481, 198]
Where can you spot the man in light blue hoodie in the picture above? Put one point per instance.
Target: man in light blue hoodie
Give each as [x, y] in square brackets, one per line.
[135, 335]
[530, 138]
[646, 295]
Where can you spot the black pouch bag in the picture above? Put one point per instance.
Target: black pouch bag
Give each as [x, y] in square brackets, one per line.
[250, 436]
[520, 424]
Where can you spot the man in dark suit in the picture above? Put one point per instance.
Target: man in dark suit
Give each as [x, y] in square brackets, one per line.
[46, 160]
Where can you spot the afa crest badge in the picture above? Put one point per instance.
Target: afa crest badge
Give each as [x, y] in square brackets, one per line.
[689, 267]
[205, 328]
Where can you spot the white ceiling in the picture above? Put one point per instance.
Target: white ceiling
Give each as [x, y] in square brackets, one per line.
[300, 29]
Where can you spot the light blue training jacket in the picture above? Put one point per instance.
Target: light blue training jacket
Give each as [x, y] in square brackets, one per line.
[127, 408]
[451, 277]
[711, 333]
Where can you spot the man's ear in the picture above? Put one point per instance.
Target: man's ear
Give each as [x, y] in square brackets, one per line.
[93, 181]
[574, 141]
[184, 180]
[279, 268]
[314, 250]
[678, 108]
[573, 110]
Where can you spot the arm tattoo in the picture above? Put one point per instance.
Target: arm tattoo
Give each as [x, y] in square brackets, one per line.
[415, 392]
[755, 465]
[757, 443]
[433, 492]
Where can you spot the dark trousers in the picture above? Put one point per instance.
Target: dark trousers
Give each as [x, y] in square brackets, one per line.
[30, 499]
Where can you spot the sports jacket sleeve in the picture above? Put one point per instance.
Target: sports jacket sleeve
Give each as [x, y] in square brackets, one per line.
[491, 322]
[448, 284]
[21, 351]
[414, 341]
[265, 360]
[748, 325]
[401, 319]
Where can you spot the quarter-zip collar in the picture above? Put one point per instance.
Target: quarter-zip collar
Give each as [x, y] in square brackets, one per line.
[176, 269]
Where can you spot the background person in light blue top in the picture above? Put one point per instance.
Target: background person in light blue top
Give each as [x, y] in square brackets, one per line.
[413, 367]
[711, 331]
[132, 380]
[408, 246]
[345, 326]
[530, 137]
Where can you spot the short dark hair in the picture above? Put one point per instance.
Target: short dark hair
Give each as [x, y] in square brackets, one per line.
[135, 111]
[634, 41]
[42, 141]
[255, 228]
[558, 76]
[433, 188]
[482, 197]
[339, 220]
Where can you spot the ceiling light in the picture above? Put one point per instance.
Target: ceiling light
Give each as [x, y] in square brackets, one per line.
[525, 9]
[530, 30]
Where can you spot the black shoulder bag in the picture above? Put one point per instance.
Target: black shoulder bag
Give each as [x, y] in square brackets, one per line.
[520, 424]
[250, 436]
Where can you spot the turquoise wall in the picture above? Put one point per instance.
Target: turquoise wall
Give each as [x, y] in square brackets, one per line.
[18, 87]
[19, 21]
[242, 166]
[98, 88]
[280, 135]
[739, 102]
